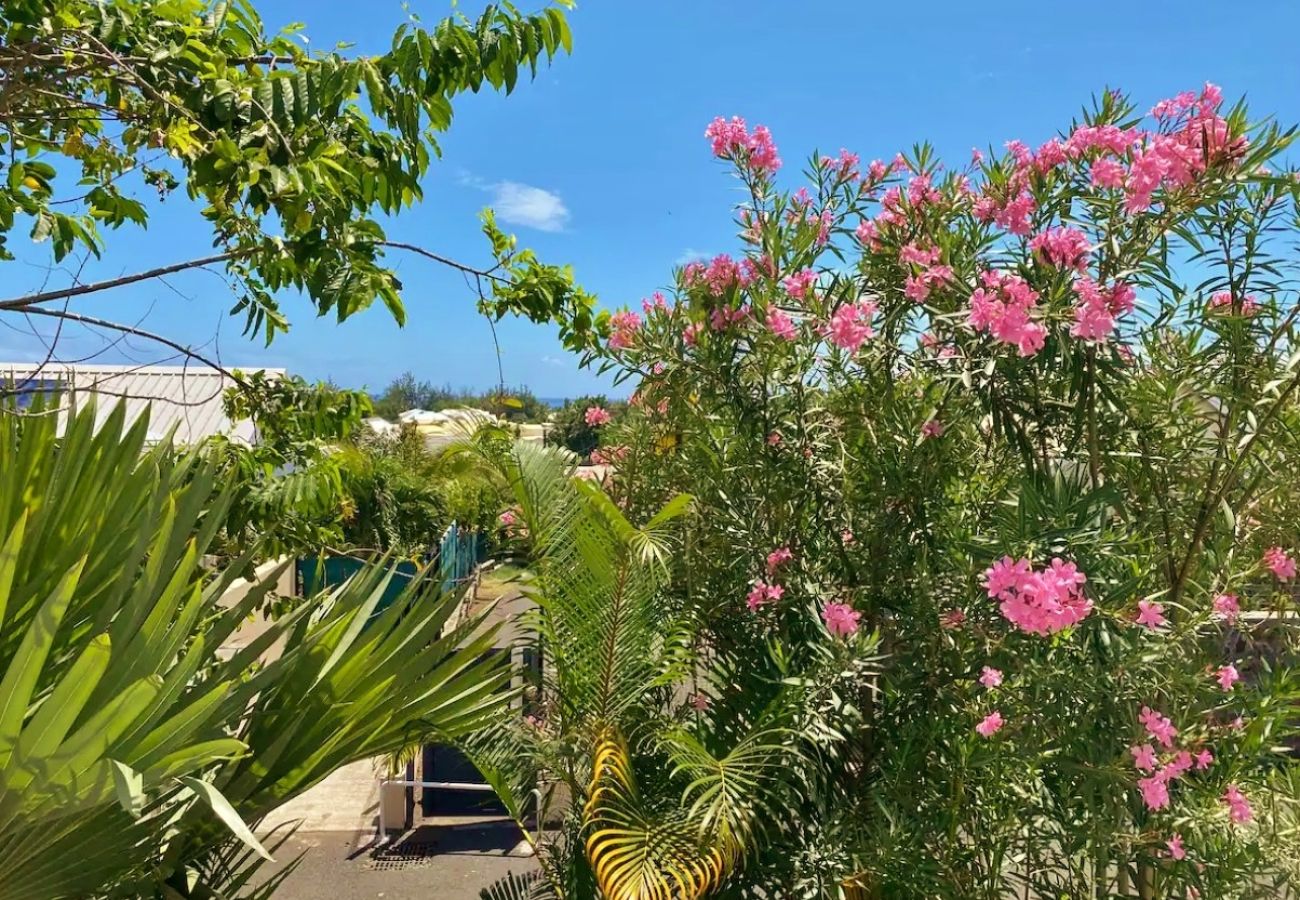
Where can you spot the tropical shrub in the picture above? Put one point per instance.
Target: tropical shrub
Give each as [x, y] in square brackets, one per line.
[620, 776]
[579, 424]
[132, 749]
[1030, 422]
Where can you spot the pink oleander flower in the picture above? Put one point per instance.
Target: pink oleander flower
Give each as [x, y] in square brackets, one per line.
[1107, 173]
[1155, 791]
[700, 702]
[1041, 602]
[1097, 308]
[1144, 757]
[916, 289]
[781, 325]
[1062, 247]
[762, 593]
[1224, 304]
[732, 140]
[878, 171]
[952, 619]
[691, 333]
[508, 518]
[595, 416]
[920, 192]
[1279, 563]
[774, 438]
[625, 325]
[779, 557]
[1179, 766]
[1204, 759]
[1151, 614]
[1227, 676]
[1175, 845]
[990, 677]
[932, 429]
[916, 254]
[850, 326]
[1158, 726]
[656, 303]
[800, 285]
[1227, 607]
[1001, 307]
[991, 724]
[1237, 724]
[846, 537]
[841, 619]
[1239, 810]
[598, 457]
[868, 233]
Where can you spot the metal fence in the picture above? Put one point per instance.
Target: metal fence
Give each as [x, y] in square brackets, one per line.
[459, 553]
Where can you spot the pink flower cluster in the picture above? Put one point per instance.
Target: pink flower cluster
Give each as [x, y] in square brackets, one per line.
[1280, 563]
[800, 285]
[1002, 306]
[850, 325]
[625, 325]
[655, 302]
[732, 140]
[1040, 602]
[721, 274]
[1227, 676]
[841, 619]
[932, 429]
[1062, 247]
[845, 165]
[932, 274]
[595, 416]
[762, 593]
[1227, 607]
[1224, 303]
[1097, 309]
[1239, 810]
[1151, 614]
[722, 318]
[1155, 787]
[991, 724]
[781, 325]
[779, 557]
[1176, 158]
[991, 677]
[1158, 726]
[1011, 215]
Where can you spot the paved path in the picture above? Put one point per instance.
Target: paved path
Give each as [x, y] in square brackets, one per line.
[334, 866]
[338, 820]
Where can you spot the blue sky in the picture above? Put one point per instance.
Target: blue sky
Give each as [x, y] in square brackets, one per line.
[601, 162]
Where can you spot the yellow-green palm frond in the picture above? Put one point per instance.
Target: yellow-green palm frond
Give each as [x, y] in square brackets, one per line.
[640, 854]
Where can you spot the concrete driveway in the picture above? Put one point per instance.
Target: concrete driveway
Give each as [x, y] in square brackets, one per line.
[442, 859]
[334, 866]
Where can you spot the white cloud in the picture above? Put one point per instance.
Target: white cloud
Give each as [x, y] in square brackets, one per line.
[552, 361]
[690, 255]
[521, 204]
[533, 207]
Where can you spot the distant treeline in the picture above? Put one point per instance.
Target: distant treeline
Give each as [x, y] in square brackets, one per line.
[514, 402]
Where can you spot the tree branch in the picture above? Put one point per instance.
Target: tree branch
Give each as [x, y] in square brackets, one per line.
[95, 286]
[138, 332]
[461, 267]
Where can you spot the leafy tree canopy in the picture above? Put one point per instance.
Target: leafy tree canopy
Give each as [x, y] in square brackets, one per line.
[293, 155]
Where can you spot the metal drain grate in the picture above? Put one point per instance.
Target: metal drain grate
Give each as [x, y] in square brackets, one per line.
[404, 855]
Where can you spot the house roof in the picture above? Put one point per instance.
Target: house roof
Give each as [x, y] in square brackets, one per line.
[188, 398]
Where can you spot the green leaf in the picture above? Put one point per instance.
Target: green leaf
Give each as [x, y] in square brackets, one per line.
[226, 813]
[129, 786]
